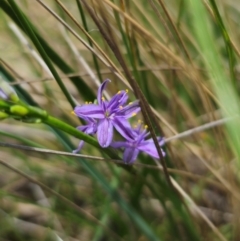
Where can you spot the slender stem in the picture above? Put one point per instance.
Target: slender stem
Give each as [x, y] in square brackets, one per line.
[54, 122]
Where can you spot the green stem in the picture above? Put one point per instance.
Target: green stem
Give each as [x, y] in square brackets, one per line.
[54, 122]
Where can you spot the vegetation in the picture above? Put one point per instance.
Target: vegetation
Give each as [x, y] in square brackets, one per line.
[179, 59]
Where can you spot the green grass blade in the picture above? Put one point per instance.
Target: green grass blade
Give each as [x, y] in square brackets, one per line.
[226, 38]
[224, 90]
[85, 91]
[41, 50]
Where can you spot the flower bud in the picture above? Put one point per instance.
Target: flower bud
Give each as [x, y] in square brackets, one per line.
[7, 92]
[19, 110]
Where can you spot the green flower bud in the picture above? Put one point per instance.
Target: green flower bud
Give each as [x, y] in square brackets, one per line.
[3, 115]
[19, 110]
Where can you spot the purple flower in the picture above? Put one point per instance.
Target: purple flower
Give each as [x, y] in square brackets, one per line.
[110, 114]
[90, 128]
[136, 142]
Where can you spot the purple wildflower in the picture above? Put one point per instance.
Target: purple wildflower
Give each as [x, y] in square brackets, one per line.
[110, 114]
[136, 142]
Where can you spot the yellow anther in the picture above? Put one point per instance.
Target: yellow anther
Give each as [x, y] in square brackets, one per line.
[146, 126]
[126, 90]
[119, 92]
[133, 114]
[86, 102]
[73, 113]
[139, 121]
[103, 99]
[130, 103]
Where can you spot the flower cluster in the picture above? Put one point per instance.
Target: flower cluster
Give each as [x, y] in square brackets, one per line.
[105, 116]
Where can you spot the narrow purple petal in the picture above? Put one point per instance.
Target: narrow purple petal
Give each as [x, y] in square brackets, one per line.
[124, 99]
[150, 149]
[88, 129]
[89, 110]
[91, 129]
[82, 128]
[87, 119]
[129, 110]
[81, 143]
[160, 141]
[130, 155]
[119, 144]
[141, 136]
[123, 128]
[105, 132]
[100, 91]
[117, 100]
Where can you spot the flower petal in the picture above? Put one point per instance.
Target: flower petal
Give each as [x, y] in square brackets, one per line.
[89, 110]
[130, 110]
[88, 129]
[123, 128]
[100, 91]
[119, 144]
[117, 100]
[150, 149]
[81, 143]
[82, 128]
[105, 132]
[161, 141]
[130, 155]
